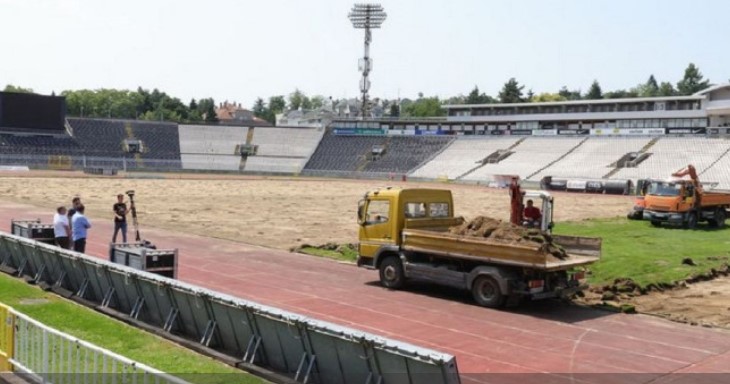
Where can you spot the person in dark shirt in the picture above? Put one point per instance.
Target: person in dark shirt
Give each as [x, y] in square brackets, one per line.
[532, 215]
[120, 218]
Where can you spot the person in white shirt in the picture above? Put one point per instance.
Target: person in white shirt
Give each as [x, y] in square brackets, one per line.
[61, 228]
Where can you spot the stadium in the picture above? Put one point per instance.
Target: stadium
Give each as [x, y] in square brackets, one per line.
[251, 186]
[578, 240]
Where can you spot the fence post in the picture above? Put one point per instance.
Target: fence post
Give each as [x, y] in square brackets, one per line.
[46, 369]
[7, 338]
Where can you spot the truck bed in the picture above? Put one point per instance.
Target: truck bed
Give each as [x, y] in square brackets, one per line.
[581, 250]
[710, 199]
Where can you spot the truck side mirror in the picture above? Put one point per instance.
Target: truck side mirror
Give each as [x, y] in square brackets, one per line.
[361, 212]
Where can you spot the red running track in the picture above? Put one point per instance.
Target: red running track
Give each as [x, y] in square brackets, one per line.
[544, 337]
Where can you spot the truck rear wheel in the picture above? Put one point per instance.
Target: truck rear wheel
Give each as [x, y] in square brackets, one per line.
[486, 292]
[391, 273]
[719, 220]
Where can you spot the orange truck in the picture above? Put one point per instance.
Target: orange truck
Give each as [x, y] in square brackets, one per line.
[683, 202]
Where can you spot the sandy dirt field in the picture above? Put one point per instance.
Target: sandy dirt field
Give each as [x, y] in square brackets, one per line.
[286, 212]
[705, 303]
[274, 212]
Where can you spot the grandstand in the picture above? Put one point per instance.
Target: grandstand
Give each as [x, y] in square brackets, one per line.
[620, 139]
[211, 147]
[528, 158]
[99, 137]
[374, 154]
[286, 142]
[463, 155]
[38, 145]
[672, 153]
[595, 158]
[719, 171]
[282, 150]
[160, 140]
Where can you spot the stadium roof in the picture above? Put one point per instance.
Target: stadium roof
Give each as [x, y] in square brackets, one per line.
[696, 96]
[712, 89]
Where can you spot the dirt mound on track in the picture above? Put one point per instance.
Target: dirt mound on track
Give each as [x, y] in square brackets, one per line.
[508, 233]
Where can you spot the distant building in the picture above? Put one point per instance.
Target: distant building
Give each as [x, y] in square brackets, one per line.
[323, 116]
[233, 113]
[319, 117]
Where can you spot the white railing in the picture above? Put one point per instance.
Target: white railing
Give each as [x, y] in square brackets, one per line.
[47, 355]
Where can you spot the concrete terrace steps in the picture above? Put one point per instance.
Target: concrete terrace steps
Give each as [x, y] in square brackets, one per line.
[483, 163]
[558, 159]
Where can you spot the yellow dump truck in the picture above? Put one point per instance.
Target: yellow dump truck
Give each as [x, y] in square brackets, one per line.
[404, 234]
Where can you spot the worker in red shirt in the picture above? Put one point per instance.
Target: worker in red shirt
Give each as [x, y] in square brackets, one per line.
[532, 215]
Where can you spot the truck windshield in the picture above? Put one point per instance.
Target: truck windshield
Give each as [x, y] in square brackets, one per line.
[664, 189]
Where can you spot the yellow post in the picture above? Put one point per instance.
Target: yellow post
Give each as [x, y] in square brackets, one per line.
[7, 337]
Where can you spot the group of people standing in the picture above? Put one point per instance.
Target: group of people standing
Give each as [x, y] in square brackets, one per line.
[70, 226]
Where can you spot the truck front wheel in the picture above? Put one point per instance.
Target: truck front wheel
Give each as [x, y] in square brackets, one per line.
[486, 292]
[691, 222]
[391, 273]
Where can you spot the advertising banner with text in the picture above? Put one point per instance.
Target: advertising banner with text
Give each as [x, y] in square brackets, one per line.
[544, 132]
[627, 131]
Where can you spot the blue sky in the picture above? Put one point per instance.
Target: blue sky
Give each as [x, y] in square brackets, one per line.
[241, 49]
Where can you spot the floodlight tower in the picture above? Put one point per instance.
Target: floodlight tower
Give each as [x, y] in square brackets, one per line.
[367, 17]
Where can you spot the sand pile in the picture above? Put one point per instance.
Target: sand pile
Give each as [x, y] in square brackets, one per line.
[508, 233]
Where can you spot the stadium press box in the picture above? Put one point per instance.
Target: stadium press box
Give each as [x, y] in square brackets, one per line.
[162, 262]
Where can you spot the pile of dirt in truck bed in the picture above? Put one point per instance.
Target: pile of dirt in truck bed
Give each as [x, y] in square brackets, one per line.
[508, 233]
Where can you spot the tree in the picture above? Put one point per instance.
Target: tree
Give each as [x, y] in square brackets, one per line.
[511, 92]
[651, 86]
[621, 94]
[210, 115]
[648, 89]
[316, 101]
[666, 89]
[394, 109]
[692, 82]
[424, 107]
[299, 99]
[546, 97]
[259, 108]
[277, 104]
[193, 105]
[594, 92]
[17, 89]
[474, 97]
[568, 94]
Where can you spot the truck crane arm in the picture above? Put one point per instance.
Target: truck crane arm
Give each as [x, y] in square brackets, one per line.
[692, 172]
[688, 170]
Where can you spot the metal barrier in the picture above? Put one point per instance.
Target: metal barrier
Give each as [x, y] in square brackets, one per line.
[7, 324]
[304, 349]
[49, 356]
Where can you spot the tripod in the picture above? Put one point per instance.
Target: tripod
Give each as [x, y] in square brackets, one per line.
[135, 223]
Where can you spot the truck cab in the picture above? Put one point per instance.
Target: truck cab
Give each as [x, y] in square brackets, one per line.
[383, 213]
